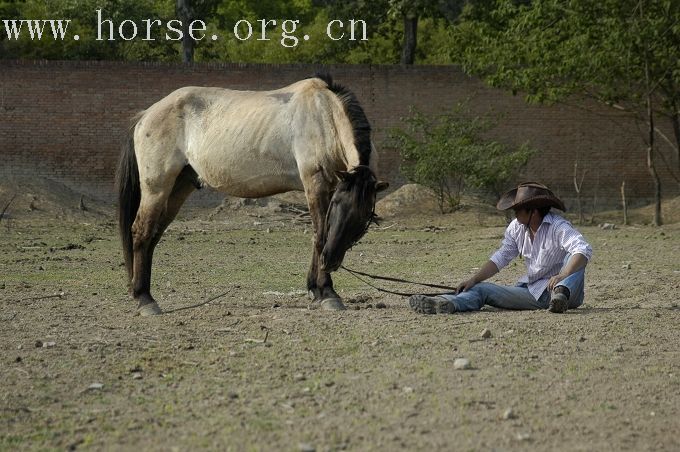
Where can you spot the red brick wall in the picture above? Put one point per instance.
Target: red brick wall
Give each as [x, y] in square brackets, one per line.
[66, 120]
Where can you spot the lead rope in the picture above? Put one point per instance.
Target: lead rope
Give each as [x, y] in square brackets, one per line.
[356, 274]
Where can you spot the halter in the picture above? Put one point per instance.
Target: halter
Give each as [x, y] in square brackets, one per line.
[372, 218]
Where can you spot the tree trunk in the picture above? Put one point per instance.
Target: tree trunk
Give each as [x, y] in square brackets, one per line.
[650, 149]
[675, 120]
[650, 162]
[624, 204]
[408, 52]
[185, 14]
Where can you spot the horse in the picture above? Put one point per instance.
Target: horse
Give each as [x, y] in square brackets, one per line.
[310, 136]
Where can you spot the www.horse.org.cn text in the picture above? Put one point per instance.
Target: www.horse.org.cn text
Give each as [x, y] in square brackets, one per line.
[286, 30]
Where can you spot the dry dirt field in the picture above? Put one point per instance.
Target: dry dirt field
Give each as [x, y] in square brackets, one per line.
[258, 368]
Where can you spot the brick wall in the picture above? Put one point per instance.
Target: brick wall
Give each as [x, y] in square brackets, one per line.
[66, 120]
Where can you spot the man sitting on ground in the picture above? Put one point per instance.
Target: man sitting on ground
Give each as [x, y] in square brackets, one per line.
[554, 252]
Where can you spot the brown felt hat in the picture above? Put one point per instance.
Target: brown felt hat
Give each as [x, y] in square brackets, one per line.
[529, 195]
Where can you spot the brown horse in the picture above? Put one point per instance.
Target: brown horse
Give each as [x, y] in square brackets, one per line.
[311, 136]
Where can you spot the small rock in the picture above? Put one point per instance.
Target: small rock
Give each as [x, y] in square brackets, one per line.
[380, 305]
[269, 231]
[509, 414]
[523, 437]
[137, 376]
[486, 333]
[95, 386]
[48, 344]
[626, 266]
[304, 447]
[407, 389]
[461, 364]
[299, 377]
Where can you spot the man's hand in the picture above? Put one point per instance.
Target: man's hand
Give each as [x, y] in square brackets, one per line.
[487, 271]
[554, 281]
[466, 285]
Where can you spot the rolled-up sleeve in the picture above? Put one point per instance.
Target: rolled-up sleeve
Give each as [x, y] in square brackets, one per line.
[508, 249]
[573, 241]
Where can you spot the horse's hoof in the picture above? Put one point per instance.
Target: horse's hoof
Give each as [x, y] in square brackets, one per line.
[332, 304]
[149, 309]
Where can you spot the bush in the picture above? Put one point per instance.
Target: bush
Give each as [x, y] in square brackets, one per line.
[448, 154]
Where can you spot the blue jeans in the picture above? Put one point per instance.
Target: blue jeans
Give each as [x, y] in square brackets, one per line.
[515, 297]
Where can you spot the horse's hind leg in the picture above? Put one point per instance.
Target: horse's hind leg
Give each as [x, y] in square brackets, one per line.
[155, 214]
[144, 229]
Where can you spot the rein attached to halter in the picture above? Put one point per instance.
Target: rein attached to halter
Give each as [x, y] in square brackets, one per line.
[356, 274]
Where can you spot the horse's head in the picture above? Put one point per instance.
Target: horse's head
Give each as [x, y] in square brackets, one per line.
[349, 214]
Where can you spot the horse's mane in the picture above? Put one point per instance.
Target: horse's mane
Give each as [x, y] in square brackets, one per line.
[360, 125]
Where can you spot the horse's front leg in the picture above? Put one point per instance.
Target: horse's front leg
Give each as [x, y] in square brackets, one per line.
[319, 282]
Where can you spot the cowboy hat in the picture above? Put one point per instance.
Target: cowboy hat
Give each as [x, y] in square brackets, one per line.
[529, 194]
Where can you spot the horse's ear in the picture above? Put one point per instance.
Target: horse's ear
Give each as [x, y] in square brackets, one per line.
[380, 186]
[342, 175]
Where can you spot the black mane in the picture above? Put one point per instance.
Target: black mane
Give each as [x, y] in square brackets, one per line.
[356, 115]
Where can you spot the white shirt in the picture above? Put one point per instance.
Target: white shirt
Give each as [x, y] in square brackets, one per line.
[544, 256]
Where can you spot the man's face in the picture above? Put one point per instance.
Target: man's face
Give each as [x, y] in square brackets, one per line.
[522, 216]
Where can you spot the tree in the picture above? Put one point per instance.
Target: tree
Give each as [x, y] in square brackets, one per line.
[385, 16]
[185, 14]
[448, 154]
[187, 11]
[622, 53]
[411, 11]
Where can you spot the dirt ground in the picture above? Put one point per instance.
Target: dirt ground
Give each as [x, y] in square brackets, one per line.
[242, 361]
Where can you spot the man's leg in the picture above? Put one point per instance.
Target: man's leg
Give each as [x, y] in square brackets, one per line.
[568, 293]
[574, 283]
[505, 297]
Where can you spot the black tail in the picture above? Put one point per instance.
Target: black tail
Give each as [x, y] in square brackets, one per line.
[129, 195]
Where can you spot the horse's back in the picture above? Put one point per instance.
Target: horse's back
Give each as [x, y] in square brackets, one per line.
[244, 143]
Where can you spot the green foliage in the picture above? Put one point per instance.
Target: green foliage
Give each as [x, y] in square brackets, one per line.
[384, 19]
[448, 153]
[551, 49]
[83, 15]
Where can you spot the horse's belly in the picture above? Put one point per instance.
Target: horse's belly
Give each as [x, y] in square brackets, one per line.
[248, 177]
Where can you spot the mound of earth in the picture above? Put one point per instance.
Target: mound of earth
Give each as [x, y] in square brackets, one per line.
[670, 213]
[26, 198]
[409, 199]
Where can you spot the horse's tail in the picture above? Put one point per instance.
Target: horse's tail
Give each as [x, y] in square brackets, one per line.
[129, 195]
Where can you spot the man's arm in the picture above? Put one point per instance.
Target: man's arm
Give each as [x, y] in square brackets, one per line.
[487, 271]
[575, 263]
